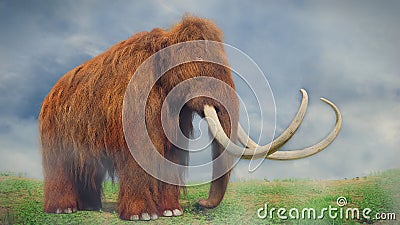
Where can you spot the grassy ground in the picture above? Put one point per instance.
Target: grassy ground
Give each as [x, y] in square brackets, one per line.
[21, 201]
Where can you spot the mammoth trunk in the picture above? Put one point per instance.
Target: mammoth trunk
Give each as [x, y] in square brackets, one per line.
[219, 185]
[222, 161]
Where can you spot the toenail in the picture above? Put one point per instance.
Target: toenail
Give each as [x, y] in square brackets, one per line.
[134, 217]
[154, 216]
[145, 216]
[177, 212]
[167, 213]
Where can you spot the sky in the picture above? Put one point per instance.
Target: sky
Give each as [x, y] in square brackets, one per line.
[346, 51]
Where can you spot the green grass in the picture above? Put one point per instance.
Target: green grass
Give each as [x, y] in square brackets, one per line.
[21, 201]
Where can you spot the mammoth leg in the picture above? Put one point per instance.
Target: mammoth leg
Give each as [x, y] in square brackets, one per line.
[60, 194]
[89, 199]
[90, 187]
[170, 193]
[138, 191]
[170, 200]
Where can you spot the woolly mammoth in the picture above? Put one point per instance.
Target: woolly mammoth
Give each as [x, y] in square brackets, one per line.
[82, 136]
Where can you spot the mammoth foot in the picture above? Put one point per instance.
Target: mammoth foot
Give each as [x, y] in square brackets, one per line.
[175, 212]
[144, 216]
[60, 207]
[65, 211]
[154, 216]
[138, 209]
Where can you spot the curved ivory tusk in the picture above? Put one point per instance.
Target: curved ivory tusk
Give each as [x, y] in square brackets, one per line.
[245, 139]
[298, 154]
[269, 151]
[252, 148]
[283, 138]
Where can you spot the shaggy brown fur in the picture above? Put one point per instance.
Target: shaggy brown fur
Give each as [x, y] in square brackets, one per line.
[81, 132]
